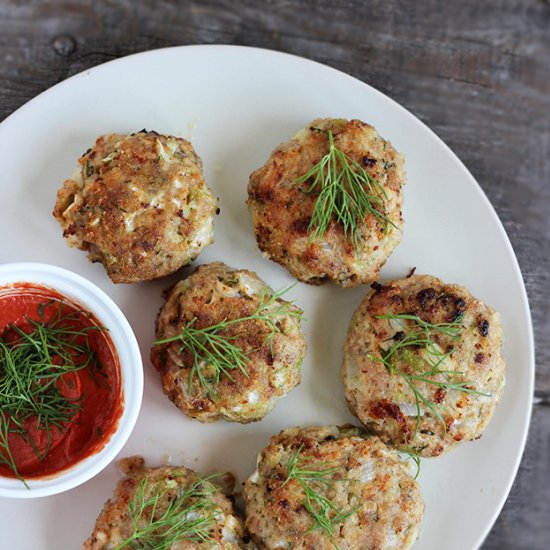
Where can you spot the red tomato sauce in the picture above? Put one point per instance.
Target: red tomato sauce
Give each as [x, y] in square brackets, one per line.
[101, 397]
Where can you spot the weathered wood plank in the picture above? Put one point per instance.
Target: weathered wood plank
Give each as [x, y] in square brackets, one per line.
[523, 522]
[478, 73]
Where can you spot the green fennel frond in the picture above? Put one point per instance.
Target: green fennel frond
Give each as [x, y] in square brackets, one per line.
[346, 194]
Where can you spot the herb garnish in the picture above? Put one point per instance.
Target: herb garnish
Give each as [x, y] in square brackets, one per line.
[412, 454]
[213, 349]
[347, 194]
[317, 482]
[32, 367]
[88, 169]
[426, 362]
[189, 514]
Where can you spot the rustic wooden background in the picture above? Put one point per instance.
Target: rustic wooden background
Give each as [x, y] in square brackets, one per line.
[475, 71]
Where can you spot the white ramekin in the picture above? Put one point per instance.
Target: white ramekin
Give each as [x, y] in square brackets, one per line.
[91, 298]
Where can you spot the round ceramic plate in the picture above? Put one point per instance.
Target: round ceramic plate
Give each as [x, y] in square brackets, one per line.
[236, 105]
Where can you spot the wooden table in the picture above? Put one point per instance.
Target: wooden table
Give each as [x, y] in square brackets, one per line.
[475, 71]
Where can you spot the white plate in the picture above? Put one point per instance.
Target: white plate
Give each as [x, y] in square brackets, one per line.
[236, 104]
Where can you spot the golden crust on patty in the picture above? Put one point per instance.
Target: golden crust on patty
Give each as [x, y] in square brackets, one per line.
[369, 485]
[282, 209]
[201, 499]
[139, 205]
[471, 355]
[216, 293]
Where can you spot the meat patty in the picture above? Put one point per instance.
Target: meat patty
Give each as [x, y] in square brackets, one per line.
[422, 364]
[282, 205]
[169, 507]
[262, 331]
[139, 205]
[327, 487]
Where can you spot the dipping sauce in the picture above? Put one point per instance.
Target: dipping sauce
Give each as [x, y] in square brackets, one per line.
[73, 379]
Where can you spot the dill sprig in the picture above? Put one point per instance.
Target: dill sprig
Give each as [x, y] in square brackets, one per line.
[165, 513]
[213, 349]
[426, 362]
[317, 482]
[412, 454]
[346, 194]
[32, 369]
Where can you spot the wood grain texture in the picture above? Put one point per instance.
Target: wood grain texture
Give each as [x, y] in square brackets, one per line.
[476, 72]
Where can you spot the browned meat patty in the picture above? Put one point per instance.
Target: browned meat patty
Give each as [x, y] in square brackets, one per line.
[444, 371]
[168, 507]
[282, 208]
[327, 487]
[268, 339]
[139, 205]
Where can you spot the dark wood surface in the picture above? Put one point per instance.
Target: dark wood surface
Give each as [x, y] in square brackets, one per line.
[475, 71]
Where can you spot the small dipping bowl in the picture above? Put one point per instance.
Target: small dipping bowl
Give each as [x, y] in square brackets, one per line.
[90, 298]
